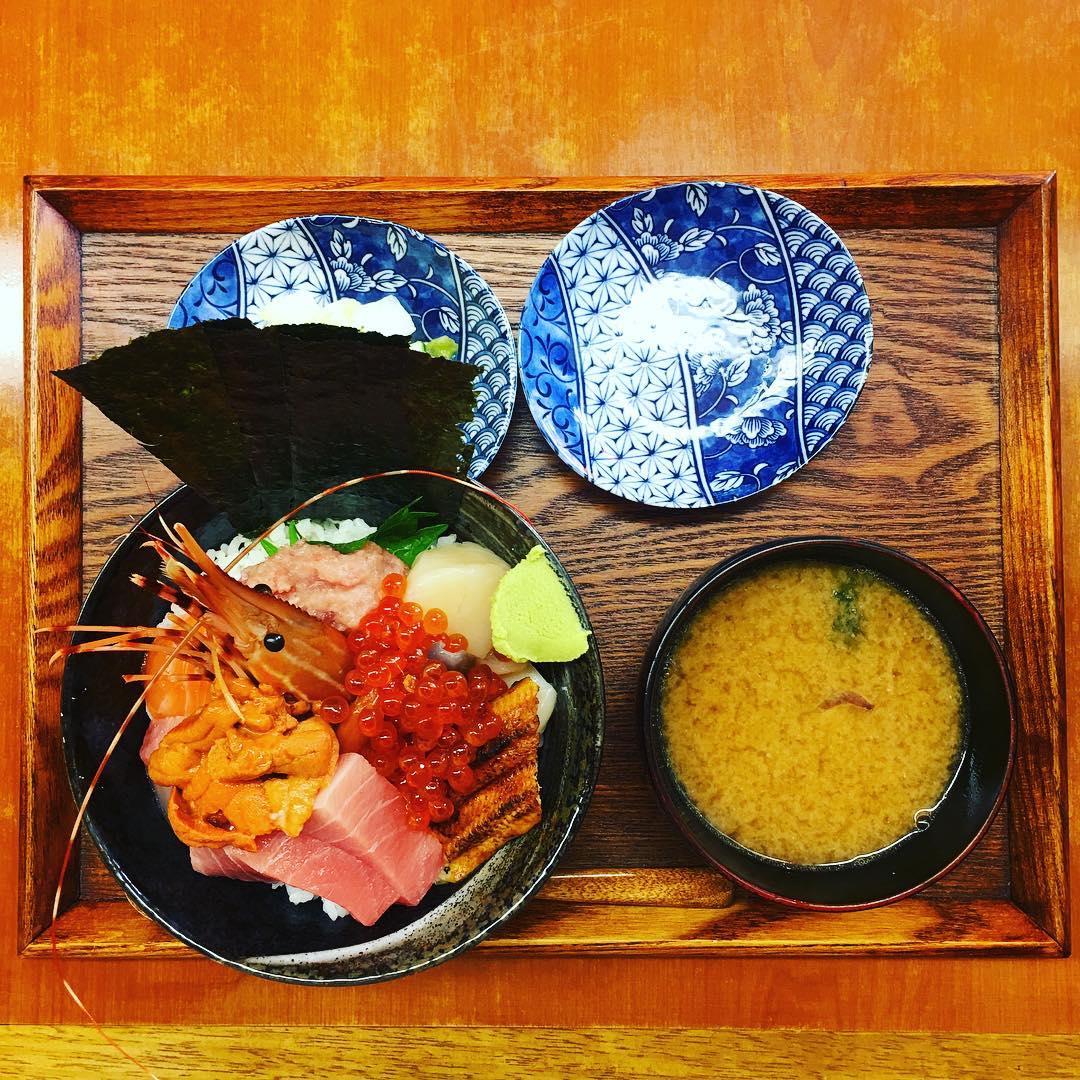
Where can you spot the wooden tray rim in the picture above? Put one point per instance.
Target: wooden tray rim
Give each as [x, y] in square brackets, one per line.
[1021, 206]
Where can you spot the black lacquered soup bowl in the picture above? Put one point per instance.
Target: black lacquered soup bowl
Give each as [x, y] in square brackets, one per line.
[973, 795]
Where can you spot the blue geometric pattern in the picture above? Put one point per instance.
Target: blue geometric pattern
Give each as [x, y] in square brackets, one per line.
[695, 344]
[331, 257]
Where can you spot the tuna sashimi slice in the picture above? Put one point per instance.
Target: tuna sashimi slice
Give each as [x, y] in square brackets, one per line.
[307, 864]
[362, 813]
[223, 862]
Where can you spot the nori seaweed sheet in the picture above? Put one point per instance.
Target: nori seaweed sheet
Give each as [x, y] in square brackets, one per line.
[351, 413]
[165, 389]
[257, 420]
[252, 373]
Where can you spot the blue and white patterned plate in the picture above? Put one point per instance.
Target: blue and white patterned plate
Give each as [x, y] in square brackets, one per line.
[333, 257]
[695, 344]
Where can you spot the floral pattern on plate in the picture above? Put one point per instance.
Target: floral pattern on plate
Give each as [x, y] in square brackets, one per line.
[695, 344]
[331, 257]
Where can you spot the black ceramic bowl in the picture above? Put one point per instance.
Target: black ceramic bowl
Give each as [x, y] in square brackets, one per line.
[251, 926]
[971, 799]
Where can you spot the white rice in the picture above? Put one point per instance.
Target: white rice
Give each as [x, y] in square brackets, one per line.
[300, 896]
[387, 315]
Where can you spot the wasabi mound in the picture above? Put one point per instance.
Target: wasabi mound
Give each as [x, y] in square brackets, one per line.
[532, 616]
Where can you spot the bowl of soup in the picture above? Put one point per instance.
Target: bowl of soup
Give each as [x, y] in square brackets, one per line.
[829, 721]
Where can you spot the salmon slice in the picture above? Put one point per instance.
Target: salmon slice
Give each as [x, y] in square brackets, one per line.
[362, 813]
[311, 865]
[170, 700]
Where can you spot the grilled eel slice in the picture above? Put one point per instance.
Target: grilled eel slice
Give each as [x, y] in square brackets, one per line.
[507, 802]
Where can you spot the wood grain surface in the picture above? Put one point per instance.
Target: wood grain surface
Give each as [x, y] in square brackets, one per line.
[931, 924]
[557, 89]
[239, 204]
[1031, 466]
[689, 921]
[916, 466]
[70, 1053]
[53, 496]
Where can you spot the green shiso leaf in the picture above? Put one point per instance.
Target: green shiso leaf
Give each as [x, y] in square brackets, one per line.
[408, 548]
[270, 549]
[402, 534]
[292, 530]
[400, 525]
[257, 420]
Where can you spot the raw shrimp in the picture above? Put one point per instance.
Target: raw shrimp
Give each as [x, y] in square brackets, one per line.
[248, 633]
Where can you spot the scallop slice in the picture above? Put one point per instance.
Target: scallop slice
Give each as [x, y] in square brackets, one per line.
[459, 579]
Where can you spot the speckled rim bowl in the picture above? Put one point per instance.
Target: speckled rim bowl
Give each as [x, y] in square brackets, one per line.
[972, 797]
[252, 927]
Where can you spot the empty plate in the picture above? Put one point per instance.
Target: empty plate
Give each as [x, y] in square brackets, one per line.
[695, 344]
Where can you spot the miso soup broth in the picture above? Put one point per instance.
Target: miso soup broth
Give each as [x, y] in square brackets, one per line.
[812, 711]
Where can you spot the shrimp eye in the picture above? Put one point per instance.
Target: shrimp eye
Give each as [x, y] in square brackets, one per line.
[274, 642]
[262, 587]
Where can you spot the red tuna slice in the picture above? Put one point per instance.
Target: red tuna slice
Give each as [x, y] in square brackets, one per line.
[307, 864]
[362, 813]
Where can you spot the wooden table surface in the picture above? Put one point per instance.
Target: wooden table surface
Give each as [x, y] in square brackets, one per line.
[490, 89]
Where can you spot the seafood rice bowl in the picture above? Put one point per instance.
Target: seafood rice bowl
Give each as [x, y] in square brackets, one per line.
[358, 709]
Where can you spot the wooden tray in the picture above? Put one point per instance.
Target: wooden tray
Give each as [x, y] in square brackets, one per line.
[950, 455]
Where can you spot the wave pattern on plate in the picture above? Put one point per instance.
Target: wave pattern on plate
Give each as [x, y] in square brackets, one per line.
[835, 314]
[694, 344]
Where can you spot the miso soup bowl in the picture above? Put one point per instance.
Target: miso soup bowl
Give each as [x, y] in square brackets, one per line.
[972, 797]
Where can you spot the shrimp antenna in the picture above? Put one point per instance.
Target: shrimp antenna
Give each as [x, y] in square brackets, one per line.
[76, 825]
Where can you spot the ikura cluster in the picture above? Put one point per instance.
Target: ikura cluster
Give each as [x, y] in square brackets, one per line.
[417, 721]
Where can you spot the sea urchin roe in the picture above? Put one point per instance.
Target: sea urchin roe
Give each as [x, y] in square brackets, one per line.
[811, 711]
[417, 721]
[238, 777]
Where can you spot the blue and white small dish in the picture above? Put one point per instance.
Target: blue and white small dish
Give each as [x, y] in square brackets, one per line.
[694, 344]
[334, 257]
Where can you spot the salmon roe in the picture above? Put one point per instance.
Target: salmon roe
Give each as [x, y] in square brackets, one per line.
[417, 721]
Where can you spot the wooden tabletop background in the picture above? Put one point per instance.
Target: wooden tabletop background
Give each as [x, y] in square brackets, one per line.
[494, 89]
